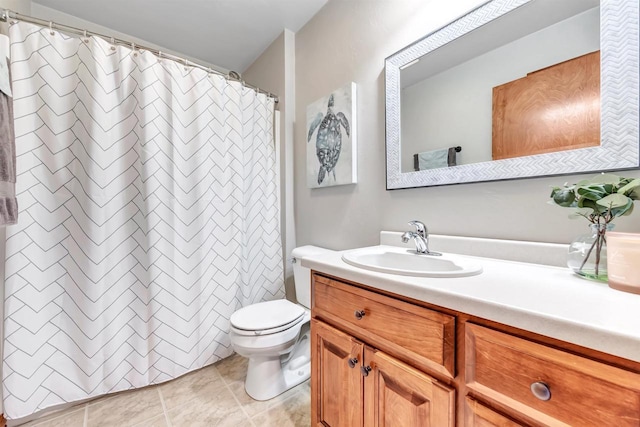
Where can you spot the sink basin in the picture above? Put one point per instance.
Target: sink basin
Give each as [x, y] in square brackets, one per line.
[388, 259]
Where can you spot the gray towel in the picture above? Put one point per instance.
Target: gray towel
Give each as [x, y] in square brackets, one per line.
[8, 202]
[435, 159]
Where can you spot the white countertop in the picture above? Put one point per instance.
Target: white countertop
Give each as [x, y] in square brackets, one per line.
[547, 300]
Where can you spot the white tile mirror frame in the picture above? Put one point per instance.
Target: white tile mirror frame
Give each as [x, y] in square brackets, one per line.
[619, 99]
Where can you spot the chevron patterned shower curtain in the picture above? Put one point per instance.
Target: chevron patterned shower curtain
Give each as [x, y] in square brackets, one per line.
[148, 214]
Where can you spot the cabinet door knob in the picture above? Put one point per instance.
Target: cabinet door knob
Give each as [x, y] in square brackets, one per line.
[352, 362]
[541, 390]
[365, 370]
[359, 314]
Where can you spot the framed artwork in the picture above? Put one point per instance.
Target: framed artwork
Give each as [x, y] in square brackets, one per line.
[331, 139]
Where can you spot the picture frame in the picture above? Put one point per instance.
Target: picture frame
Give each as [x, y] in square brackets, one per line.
[332, 139]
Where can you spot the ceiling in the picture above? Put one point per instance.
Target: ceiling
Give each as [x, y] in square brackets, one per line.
[228, 33]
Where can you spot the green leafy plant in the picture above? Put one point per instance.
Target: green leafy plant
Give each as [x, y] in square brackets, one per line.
[600, 200]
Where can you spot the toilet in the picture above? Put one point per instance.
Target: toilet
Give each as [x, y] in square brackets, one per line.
[275, 336]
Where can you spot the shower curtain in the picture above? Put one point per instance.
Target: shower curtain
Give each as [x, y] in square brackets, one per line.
[148, 214]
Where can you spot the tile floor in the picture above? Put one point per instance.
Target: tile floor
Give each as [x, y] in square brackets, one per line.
[211, 396]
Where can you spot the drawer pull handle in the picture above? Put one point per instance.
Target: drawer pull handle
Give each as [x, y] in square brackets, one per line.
[365, 370]
[359, 314]
[352, 362]
[541, 390]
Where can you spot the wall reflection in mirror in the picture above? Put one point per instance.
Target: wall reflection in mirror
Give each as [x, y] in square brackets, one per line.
[526, 83]
[515, 89]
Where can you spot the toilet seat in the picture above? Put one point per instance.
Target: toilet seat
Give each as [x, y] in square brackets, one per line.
[266, 318]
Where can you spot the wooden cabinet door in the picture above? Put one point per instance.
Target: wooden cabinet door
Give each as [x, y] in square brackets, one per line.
[553, 109]
[478, 415]
[336, 379]
[401, 396]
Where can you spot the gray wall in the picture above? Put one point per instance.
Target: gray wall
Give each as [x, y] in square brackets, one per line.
[20, 6]
[348, 41]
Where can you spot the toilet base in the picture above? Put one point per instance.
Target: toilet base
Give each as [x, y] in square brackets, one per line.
[267, 377]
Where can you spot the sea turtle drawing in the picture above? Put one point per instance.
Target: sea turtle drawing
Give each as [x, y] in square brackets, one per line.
[328, 139]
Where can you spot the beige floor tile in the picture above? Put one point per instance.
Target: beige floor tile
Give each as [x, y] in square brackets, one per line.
[293, 412]
[216, 408]
[126, 408]
[237, 419]
[159, 421]
[73, 417]
[233, 368]
[201, 383]
[200, 398]
[253, 407]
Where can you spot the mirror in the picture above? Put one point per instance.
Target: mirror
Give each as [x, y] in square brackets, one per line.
[516, 89]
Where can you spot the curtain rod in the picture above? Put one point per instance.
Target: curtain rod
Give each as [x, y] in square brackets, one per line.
[5, 15]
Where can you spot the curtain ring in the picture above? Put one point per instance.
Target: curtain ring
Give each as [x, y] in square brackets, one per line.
[86, 39]
[113, 43]
[133, 49]
[159, 55]
[185, 63]
[7, 17]
[51, 28]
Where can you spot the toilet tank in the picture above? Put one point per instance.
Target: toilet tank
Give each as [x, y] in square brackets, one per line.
[302, 275]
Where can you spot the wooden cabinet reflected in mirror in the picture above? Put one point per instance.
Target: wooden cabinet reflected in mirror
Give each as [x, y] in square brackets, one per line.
[553, 109]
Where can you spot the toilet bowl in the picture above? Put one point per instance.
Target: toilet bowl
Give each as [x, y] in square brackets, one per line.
[275, 336]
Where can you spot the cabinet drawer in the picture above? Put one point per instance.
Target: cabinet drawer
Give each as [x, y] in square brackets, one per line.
[582, 392]
[419, 336]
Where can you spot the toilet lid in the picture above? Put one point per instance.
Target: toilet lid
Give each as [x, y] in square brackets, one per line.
[266, 315]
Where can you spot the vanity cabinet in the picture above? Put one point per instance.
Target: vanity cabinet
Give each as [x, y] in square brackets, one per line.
[355, 385]
[371, 385]
[380, 359]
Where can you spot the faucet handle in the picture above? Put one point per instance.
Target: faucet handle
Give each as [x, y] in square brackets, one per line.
[421, 229]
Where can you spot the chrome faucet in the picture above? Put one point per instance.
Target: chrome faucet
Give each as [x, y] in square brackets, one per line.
[420, 237]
